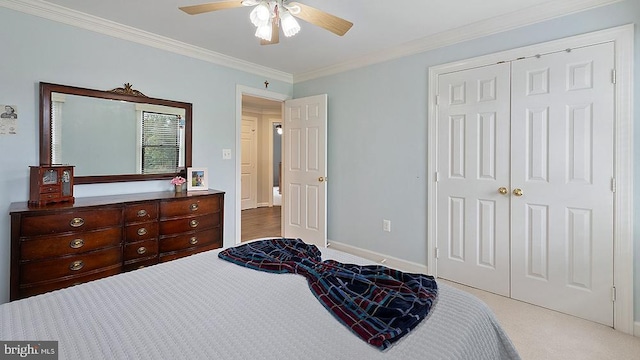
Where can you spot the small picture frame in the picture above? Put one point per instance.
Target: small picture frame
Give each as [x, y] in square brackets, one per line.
[197, 179]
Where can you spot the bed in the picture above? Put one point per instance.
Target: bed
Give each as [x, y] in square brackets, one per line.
[202, 307]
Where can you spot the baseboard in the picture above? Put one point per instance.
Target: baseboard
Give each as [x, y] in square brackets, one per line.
[636, 329]
[265, 204]
[387, 260]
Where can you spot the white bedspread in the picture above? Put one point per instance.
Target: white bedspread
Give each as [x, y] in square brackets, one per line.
[202, 307]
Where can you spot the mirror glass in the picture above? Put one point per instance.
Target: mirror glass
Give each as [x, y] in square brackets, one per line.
[117, 135]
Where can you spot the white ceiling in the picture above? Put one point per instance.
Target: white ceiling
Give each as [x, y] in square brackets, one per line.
[380, 27]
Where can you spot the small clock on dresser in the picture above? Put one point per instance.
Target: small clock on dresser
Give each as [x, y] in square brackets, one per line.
[50, 184]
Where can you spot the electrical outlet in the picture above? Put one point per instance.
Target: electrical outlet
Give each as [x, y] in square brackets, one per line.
[226, 154]
[386, 225]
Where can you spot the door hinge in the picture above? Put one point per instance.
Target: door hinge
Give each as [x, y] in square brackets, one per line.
[437, 99]
[436, 176]
[437, 253]
[613, 184]
[613, 76]
[613, 294]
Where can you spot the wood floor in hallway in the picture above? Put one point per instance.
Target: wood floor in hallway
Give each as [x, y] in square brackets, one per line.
[260, 222]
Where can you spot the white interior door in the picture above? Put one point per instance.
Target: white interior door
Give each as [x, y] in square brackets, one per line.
[248, 163]
[557, 216]
[473, 164]
[304, 169]
[562, 152]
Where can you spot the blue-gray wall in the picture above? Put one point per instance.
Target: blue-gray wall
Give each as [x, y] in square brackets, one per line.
[35, 50]
[377, 136]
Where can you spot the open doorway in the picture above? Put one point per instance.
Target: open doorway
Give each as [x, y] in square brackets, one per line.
[260, 156]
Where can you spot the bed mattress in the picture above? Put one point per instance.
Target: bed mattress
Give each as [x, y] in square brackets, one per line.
[202, 307]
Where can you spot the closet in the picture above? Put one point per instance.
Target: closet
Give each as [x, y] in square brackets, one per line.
[525, 179]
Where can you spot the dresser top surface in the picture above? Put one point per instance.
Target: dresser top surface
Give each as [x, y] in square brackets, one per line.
[81, 202]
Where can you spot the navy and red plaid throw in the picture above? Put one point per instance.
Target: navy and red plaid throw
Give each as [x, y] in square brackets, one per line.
[378, 304]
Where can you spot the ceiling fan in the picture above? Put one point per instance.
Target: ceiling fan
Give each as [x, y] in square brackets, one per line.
[270, 15]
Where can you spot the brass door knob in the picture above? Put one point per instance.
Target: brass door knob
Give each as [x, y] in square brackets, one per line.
[321, 179]
[503, 190]
[517, 192]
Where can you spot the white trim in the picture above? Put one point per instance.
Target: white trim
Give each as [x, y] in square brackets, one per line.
[272, 122]
[636, 331]
[622, 36]
[532, 15]
[386, 260]
[245, 90]
[99, 25]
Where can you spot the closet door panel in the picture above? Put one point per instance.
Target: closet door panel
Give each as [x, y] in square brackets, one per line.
[562, 127]
[473, 164]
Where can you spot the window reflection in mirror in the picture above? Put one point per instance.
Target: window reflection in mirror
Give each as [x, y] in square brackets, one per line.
[116, 130]
[110, 136]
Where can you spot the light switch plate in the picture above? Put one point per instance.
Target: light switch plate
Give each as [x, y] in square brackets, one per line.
[226, 154]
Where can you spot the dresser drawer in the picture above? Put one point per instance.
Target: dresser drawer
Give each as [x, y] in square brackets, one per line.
[140, 250]
[169, 227]
[193, 205]
[135, 265]
[193, 239]
[45, 189]
[139, 232]
[147, 211]
[43, 247]
[178, 254]
[73, 221]
[35, 289]
[37, 271]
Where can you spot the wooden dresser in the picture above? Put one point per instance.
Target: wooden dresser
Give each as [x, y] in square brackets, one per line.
[65, 244]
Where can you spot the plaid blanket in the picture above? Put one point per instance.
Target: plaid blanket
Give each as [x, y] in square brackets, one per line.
[378, 304]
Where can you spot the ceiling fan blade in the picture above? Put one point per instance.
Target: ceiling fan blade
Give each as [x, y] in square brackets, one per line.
[203, 8]
[325, 20]
[275, 34]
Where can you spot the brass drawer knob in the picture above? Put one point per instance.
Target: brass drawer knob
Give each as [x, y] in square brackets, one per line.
[193, 240]
[76, 222]
[142, 213]
[193, 223]
[193, 206]
[76, 243]
[142, 250]
[142, 231]
[76, 265]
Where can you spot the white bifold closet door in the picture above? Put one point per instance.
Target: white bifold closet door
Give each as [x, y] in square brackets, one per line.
[473, 163]
[556, 240]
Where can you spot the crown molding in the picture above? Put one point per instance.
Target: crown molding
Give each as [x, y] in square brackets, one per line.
[85, 21]
[468, 32]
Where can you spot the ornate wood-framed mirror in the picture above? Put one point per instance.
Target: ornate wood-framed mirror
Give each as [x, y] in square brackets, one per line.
[113, 136]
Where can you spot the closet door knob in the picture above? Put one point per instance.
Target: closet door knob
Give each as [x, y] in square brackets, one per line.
[503, 190]
[517, 192]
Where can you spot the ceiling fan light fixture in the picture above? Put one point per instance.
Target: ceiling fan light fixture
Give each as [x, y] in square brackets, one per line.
[289, 24]
[264, 32]
[260, 15]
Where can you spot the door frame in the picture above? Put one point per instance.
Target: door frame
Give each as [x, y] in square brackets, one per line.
[240, 91]
[273, 121]
[622, 36]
